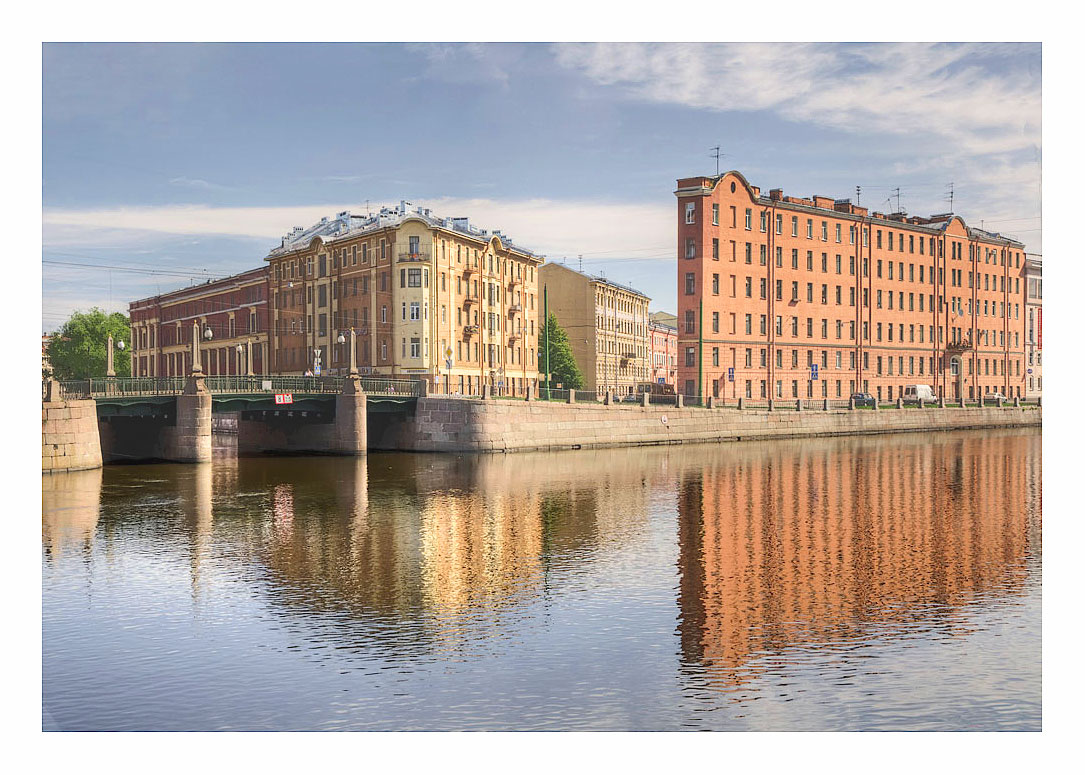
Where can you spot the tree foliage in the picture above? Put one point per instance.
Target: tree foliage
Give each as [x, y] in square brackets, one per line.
[78, 349]
[562, 364]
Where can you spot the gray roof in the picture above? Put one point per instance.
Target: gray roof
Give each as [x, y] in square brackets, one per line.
[598, 278]
[347, 224]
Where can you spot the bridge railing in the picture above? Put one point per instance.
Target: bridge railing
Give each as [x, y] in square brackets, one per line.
[157, 386]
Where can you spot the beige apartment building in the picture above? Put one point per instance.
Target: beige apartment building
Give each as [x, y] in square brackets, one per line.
[607, 324]
[428, 297]
[1034, 333]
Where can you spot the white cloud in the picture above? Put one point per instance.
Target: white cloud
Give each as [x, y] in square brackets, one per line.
[550, 227]
[949, 90]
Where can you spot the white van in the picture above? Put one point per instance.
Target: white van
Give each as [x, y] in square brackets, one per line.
[914, 393]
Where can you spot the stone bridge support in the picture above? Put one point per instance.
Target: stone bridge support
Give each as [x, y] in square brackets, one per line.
[350, 418]
[69, 433]
[190, 441]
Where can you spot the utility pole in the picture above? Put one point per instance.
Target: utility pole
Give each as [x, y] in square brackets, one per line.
[546, 339]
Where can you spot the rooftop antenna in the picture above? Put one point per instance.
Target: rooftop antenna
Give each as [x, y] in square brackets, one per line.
[716, 153]
[950, 197]
[580, 257]
[858, 190]
[896, 193]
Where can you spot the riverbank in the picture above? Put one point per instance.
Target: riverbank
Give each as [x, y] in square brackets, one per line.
[442, 424]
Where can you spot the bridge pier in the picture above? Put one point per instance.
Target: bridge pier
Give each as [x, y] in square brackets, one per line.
[350, 418]
[190, 441]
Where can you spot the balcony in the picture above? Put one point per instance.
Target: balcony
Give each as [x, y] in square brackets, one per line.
[959, 345]
[515, 282]
[629, 356]
[515, 309]
[516, 336]
[413, 258]
[470, 330]
[470, 299]
[469, 270]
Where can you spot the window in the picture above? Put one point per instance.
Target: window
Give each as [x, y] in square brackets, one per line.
[749, 219]
[690, 280]
[715, 285]
[691, 248]
[779, 223]
[691, 211]
[691, 356]
[715, 322]
[824, 231]
[809, 228]
[838, 239]
[749, 287]
[764, 221]
[716, 248]
[691, 324]
[715, 215]
[794, 225]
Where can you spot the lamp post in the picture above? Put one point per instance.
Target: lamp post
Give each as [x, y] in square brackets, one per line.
[352, 369]
[109, 370]
[240, 355]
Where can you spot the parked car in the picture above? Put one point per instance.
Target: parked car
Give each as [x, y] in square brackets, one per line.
[992, 398]
[863, 399]
[913, 394]
[631, 398]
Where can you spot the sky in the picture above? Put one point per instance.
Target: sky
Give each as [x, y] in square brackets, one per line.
[167, 164]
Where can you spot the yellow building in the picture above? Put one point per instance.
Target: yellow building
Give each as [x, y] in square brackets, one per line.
[607, 324]
[428, 297]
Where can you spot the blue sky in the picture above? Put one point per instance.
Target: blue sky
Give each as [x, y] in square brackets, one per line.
[191, 161]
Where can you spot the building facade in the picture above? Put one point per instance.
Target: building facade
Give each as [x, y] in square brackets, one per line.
[428, 298]
[771, 286]
[234, 310]
[663, 352]
[1034, 332]
[607, 324]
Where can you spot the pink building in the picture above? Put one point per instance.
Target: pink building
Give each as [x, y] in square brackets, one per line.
[663, 347]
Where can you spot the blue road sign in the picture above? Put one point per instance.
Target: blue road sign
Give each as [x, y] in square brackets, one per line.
[813, 371]
[730, 374]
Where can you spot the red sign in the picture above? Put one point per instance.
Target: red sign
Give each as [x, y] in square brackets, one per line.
[284, 398]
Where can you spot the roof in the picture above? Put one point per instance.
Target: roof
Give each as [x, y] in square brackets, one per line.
[598, 278]
[347, 224]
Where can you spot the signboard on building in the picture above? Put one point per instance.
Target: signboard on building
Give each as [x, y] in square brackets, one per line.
[813, 371]
[730, 374]
[284, 398]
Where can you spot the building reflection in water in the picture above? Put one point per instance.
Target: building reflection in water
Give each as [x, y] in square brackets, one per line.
[779, 546]
[785, 546]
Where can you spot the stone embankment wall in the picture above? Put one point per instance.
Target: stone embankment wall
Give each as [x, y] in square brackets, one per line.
[463, 425]
[69, 436]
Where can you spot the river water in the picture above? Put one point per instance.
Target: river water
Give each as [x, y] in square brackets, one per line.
[877, 583]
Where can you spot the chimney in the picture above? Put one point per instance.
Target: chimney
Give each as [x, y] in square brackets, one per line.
[776, 194]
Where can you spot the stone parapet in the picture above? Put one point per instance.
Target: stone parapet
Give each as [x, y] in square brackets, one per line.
[443, 424]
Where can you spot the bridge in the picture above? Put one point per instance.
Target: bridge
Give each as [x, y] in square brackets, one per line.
[169, 418]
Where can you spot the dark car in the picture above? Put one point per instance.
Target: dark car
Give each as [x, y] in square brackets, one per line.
[863, 399]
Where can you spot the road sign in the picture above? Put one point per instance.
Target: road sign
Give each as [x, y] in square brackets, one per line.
[730, 374]
[813, 371]
[284, 398]
[448, 363]
[448, 353]
[1030, 371]
[662, 380]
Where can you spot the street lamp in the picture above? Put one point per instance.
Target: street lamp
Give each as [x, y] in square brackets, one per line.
[207, 333]
[109, 370]
[240, 350]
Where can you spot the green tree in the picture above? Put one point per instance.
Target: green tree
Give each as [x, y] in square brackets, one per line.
[562, 364]
[77, 350]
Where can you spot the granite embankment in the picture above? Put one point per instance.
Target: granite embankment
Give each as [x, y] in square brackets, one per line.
[461, 425]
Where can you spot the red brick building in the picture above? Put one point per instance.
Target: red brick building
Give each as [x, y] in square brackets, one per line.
[234, 309]
[771, 285]
[663, 352]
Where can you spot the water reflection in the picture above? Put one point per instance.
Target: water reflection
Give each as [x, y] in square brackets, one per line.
[827, 545]
[671, 586]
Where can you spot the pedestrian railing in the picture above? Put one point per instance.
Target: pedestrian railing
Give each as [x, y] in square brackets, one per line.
[125, 387]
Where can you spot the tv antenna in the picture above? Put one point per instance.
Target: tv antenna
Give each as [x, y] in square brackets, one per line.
[896, 193]
[858, 190]
[580, 258]
[716, 154]
[949, 197]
